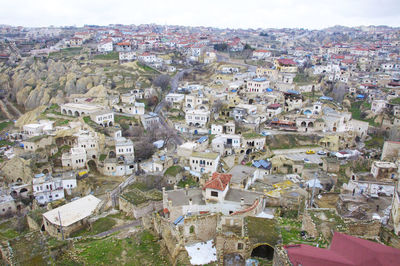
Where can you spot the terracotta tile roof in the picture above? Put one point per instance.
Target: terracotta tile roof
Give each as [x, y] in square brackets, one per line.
[287, 62]
[218, 181]
[344, 250]
[252, 207]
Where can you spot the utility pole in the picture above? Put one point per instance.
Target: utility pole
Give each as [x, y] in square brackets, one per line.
[313, 190]
[61, 229]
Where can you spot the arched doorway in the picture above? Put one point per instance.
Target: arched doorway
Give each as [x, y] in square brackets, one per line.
[234, 259]
[76, 113]
[334, 129]
[45, 171]
[303, 124]
[70, 112]
[92, 166]
[111, 154]
[263, 251]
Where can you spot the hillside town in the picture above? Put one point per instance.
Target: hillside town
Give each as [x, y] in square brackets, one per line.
[175, 145]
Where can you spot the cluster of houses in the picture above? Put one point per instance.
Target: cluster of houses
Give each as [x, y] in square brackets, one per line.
[283, 135]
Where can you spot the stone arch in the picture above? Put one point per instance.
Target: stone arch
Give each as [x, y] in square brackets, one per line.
[83, 113]
[248, 151]
[45, 171]
[76, 113]
[263, 251]
[24, 189]
[69, 112]
[303, 124]
[64, 112]
[197, 125]
[92, 165]
[110, 124]
[189, 105]
[310, 124]
[112, 154]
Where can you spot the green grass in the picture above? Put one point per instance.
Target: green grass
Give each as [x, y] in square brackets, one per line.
[102, 157]
[356, 112]
[5, 143]
[4, 125]
[147, 68]
[189, 181]
[262, 230]
[137, 197]
[173, 170]
[395, 101]
[99, 226]
[141, 249]
[375, 142]
[67, 52]
[252, 135]
[61, 122]
[108, 56]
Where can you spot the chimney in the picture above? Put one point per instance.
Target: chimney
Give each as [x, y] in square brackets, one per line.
[190, 202]
[186, 189]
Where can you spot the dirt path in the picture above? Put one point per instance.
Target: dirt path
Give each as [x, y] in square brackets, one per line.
[125, 226]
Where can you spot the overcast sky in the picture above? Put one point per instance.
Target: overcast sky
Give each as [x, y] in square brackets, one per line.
[310, 14]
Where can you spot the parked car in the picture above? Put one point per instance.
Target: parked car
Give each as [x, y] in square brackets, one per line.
[321, 153]
[306, 160]
[310, 152]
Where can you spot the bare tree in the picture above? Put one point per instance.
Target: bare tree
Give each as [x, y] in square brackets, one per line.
[339, 90]
[144, 149]
[217, 106]
[162, 81]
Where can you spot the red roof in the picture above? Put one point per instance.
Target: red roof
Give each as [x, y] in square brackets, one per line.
[261, 51]
[218, 181]
[123, 43]
[166, 210]
[274, 106]
[287, 62]
[344, 250]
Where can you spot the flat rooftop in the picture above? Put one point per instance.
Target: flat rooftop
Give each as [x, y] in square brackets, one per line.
[74, 211]
[240, 172]
[80, 106]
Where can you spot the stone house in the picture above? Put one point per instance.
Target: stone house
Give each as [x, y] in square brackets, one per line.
[204, 162]
[384, 170]
[74, 159]
[138, 203]
[47, 188]
[150, 120]
[104, 118]
[395, 212]
[197, 118]
[37, 142]
[61, 222]
[124, 147]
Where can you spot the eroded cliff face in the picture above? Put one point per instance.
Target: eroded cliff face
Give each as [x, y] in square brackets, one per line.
[35, 82]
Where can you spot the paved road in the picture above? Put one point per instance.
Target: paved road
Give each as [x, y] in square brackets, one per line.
[178, 140]
[297, 150]
[132, 224]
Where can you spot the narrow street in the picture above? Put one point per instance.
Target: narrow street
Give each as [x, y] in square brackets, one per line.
[178, 140]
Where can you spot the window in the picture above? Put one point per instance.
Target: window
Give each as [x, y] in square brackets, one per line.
[214, 194]
[240, 246]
